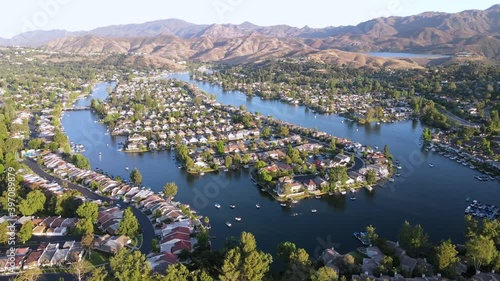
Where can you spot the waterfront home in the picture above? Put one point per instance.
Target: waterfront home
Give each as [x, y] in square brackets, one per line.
[160, 261]
[175, 242]
[357, 177]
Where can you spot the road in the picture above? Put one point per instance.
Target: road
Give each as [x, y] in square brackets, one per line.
[457, 119]
[148, 231]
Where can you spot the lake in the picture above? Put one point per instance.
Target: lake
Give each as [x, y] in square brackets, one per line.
[433, 197]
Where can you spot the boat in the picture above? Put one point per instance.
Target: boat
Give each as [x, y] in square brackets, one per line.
[232, 206]
[228, 224]
[397, 174]
[378, 123]
[431, 165]
[399, 167]
[391, 180]
[317, 196]
[202, 174]
[263, 189]
[226, 170]
[237, 219]
[353, 198]
[363, 238]
[295, 201]
[246, 166]
[217, 205]
[330, 193]
[126, 168]
[343, 192]
[352, 190]
[257, 206]
[369, 188]
[283, 204]
[314, 211]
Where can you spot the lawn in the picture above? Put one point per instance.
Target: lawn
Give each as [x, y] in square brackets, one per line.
[98, 258]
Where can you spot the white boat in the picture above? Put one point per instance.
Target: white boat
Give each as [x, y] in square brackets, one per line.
[330, 193]
[237, 219]
[202, 174]
[343, 192]
[228, 224]
[391, 180]
[369, 188]
[246, 166]
[283, 204]
[126, 168]
[217, 205]
[353, 198]
[314, 211]
[353, 190]
[431, 165]
[257, 206]
[295, 201]
[232, 206]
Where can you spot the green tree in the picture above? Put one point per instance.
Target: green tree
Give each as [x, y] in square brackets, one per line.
[471, 226]
[130, 266]
[228, 161]
[299, 267]
[446, 257]
[88, 210]
[4, 232]
[220, 147]
[480, 250]
[324, 274]
[34, 202]
[176, 272]
[129, 226]
[31, 274]
[371, 177]
[372, 233]
[84, 227]
[245, 262]
[170, 190]
[413, 239]
[80, 268]
[285, 250]
[26, 231]
[98, 274]
[333, 144]
[80, 161]
[135, 177]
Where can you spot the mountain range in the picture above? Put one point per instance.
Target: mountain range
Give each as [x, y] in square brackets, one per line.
[476, 31]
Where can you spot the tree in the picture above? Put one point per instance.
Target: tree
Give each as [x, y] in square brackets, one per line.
[471, 226]
[228, 161]
[84, 227]
[299, 267]
[220, 147]
[413, 239]
[98, 274]
[446, 256]
[176, 272]
[245, 262]
[87, 241]
[371, 177]
[135, 177]
[480, 251]
[34, 202]
[80, 268]
[25, 232]
[129, 226]
[170, 189]
[387, 154]
[285, 250]
[4, 232]
[130, 266]
[31, 274]
[80, 161]
[201, 275]
[324, 274]
[372, 234]
[333, 144]
[88, 210]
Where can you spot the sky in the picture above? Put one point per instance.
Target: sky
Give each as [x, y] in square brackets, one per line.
[73, 15]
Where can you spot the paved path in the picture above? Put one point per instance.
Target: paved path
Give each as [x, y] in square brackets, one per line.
[148, 231]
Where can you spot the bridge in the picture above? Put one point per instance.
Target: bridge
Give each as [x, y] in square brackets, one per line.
[76, 108]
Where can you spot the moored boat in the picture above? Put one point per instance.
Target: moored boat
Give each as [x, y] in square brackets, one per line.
[217, 205]
[237, 218]
[228, 224]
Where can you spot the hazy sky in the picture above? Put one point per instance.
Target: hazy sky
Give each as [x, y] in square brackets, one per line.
[27, 15]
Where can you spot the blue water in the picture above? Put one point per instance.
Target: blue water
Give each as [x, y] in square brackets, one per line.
[433, 197]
